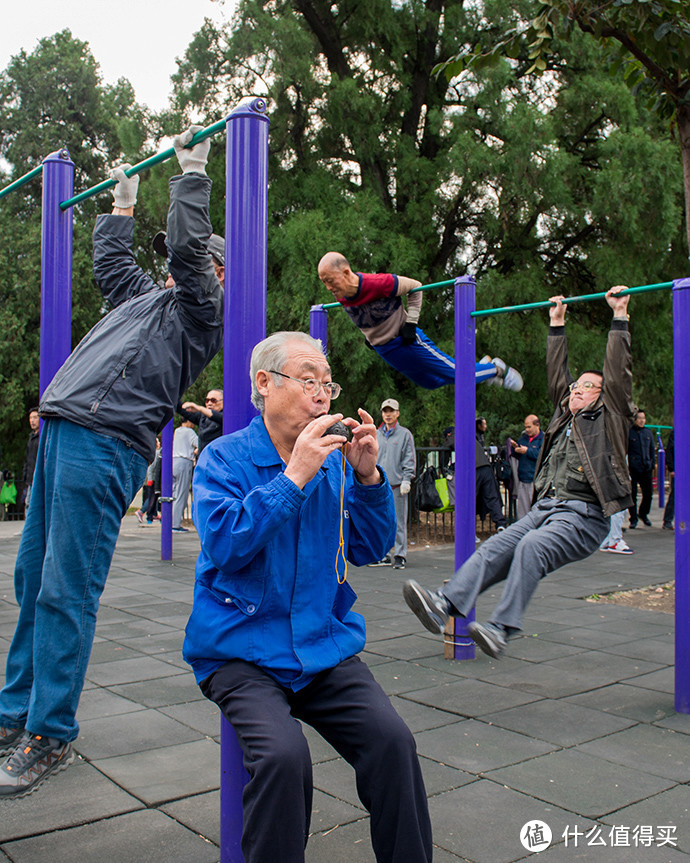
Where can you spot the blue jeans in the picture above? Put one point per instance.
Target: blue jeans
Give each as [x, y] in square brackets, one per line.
[83, 484]
[426, 364]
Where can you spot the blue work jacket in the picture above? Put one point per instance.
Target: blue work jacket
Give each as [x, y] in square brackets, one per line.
[267, 579]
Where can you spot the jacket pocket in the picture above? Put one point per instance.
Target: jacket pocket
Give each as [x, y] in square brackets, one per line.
[345, 598]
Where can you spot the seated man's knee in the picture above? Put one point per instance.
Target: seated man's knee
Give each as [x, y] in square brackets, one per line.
[286, 756]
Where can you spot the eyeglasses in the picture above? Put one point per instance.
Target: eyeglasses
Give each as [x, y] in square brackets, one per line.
[313, 387]
[211, 401]
[583, 385]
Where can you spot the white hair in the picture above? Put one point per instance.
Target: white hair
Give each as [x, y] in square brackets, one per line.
[272, 353]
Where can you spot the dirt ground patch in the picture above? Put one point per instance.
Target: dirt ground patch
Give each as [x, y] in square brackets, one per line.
[656, 597]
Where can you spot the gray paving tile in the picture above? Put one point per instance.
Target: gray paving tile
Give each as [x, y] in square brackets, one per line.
[659, 650]
[337, 778]
[559, 722]
[584, 852]
[97, 702]
[132, 732]
[469, 697]
[160, 775]
[149, 836]
[203, 716]
[178, 688]
[110, 651]
[439, 778]
[200, 813]
[397, 677]
[406, 647]
[346, 842]
[659, 751]
[589, 637]
[78, 795]
[671, 808]
[580, 782]
[419, 717]
[129, 671]
[329, 813]
[663, 680]
[625, 699]
[476, 747]
[454, 818]
[676, 722]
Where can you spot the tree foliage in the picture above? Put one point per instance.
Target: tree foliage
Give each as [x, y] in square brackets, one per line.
[537, 186]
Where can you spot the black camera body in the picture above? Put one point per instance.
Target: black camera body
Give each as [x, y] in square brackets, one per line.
[338, 428]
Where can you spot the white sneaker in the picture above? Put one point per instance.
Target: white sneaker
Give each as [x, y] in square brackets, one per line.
[506, 376]
[620, 547]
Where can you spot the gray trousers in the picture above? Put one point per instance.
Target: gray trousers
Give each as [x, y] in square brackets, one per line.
[554, 532]
[524, 498]
[182, 479]
[400, 547]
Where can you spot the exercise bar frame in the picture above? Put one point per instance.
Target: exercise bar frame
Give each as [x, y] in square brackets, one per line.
[458, 644]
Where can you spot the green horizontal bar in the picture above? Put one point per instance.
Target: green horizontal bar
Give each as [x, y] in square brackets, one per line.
[481, 313]
[22, 181]
[654, 426]
[429, 287]
[201, 135]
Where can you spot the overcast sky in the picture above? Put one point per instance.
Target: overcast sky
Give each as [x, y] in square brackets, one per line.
[134, 40]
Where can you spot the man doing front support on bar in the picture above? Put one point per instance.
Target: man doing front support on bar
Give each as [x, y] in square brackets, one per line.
[372, 300]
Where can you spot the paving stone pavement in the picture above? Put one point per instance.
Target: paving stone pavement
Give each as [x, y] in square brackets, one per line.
[574, 727]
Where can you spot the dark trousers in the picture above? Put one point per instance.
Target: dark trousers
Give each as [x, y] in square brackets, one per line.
[351, 711]
[488, 496]
[670, 505]
[644, 480]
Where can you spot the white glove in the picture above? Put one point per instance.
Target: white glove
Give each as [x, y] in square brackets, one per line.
[125, 193]
[193, 159]
[405, 486]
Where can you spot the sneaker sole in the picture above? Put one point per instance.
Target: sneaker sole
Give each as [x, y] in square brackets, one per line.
[416, 602]
[54, 768]
[484, 643]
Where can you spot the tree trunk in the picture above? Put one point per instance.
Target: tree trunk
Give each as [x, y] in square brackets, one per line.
[683, 116]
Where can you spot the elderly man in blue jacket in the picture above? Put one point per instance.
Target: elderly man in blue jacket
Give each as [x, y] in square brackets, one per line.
[281, 507]
[102, 412]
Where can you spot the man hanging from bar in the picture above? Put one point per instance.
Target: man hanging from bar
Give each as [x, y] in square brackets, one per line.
[581, 479]
[373, 302]
[102, 412]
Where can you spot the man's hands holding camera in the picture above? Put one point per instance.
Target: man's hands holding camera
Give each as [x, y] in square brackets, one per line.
[314, 444]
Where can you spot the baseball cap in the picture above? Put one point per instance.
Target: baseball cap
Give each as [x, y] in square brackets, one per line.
[390, 403]
[216, 246]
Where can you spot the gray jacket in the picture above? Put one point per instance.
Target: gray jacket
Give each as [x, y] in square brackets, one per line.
[600, 432]
[127, 374]
[397, 454]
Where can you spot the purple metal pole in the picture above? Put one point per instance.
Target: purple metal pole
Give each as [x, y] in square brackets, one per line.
[465, 471]
[56, 265]
[681, 375]
[318, 325]
[246, 218]
[166, 491]
[661, 470]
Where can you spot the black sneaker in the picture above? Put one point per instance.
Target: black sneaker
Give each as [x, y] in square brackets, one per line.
[385, 561]
[399, 562]
[31, 762]
[9, 737]
[488, 637]
[430, 606]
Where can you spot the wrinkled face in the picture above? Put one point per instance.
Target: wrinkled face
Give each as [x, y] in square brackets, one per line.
[214, 400]
[285, 400]
[640, 420]
[531, 427]
[33, 420]
[586, 391]
[336, 281]
[390, 416]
